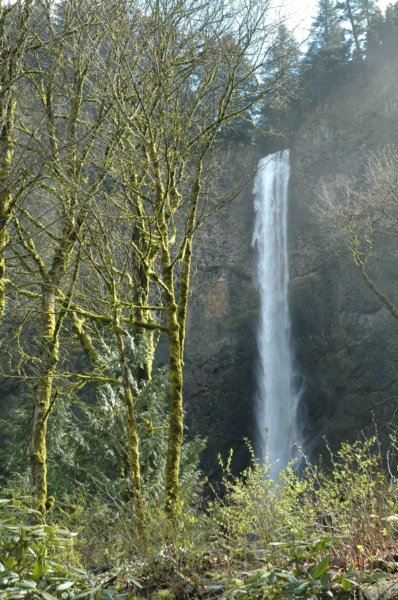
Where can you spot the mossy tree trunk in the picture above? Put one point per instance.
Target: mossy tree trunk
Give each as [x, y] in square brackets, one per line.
[176, 310]
[71, 140]
[53, 315]
[13, 39]
[43, 398]
[176, 418]
[7, 116]
[145, 335]
[176, 301]
[133, 437]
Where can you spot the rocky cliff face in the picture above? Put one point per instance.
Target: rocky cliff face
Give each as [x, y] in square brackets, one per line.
[345, 341]
[221, 352]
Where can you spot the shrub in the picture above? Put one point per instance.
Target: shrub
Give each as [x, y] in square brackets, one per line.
[303, 526]
[36, 558]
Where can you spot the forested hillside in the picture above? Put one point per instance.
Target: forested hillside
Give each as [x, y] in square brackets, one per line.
[129, 137]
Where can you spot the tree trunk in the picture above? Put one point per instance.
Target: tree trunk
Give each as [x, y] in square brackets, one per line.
[357, 44]
[141, 298]
[49, 343]
[7, 114]
[11, 50]
[133, 438]
[184, 292]
[176, 423]
[43, 401]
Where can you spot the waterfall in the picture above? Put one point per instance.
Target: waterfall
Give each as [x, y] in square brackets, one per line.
[277, 399]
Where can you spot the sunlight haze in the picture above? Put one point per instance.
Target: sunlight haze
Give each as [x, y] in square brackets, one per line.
[300, 13]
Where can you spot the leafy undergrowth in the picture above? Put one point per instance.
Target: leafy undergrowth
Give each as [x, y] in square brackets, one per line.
[36, 560]
[315, 535]
[181, 575]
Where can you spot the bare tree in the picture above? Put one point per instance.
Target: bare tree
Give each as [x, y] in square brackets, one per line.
[362, 209]
[196, 73]
[70, 129]
[130, 107]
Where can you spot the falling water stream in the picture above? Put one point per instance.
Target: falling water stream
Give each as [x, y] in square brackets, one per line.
[277, 398]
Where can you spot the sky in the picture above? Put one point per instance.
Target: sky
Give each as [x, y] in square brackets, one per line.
[300, 14]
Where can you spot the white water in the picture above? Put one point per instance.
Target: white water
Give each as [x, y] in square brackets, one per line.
[277, 398]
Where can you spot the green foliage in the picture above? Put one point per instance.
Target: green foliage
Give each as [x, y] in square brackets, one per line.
[360, 15]
[352, 500]
[35, 559]
[301, 525]
[310, 534]
[303, 581]
[105, 517]
[15, 434]
[383, 40]
[89, 469]
[88, 451]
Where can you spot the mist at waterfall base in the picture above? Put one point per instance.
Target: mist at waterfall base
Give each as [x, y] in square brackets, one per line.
[277, 398]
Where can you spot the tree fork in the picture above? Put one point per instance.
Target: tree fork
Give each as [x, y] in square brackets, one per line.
[144, 373]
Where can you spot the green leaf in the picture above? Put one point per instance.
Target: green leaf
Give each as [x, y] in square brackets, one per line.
[299, 589]
[37, 570]
[325, 580]
[17, 593]
[91, 592]
[136, 582]
[47, 595]
[10, 562]
[105, 595]
[374, 577]
[288, 577]
[61, 587]
[27, 583]
[319, 570]
[346, 584]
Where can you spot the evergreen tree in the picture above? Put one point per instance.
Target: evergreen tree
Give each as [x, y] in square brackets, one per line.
[361, 17]
[276, 113]
[386, 31]
[328, 53]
